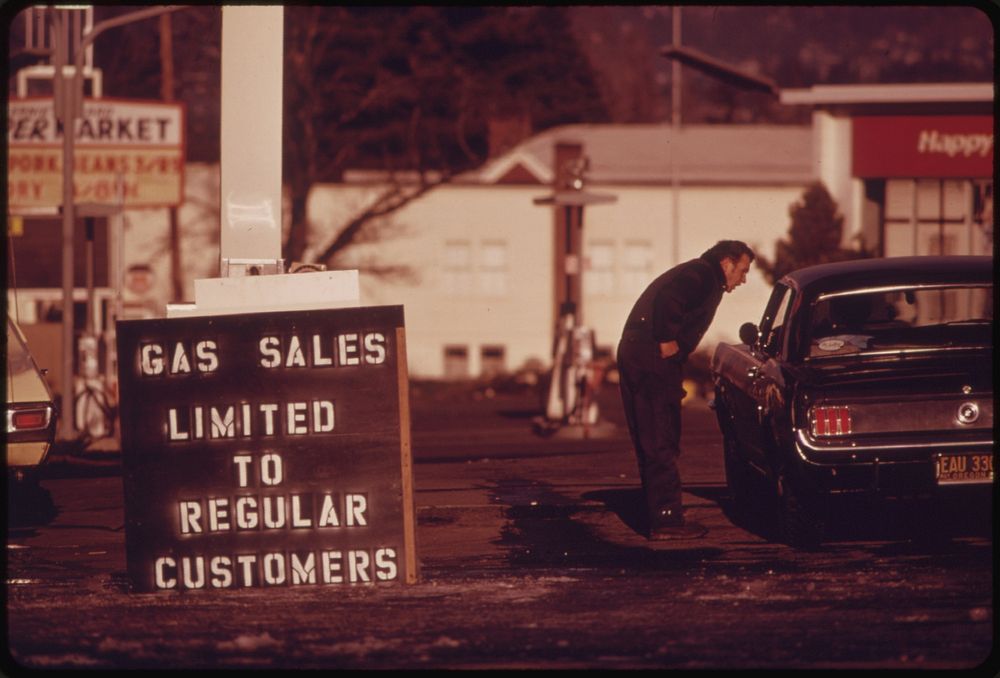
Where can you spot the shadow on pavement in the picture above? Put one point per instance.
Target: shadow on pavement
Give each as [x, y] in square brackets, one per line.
[926, 525]
[626, 504]
[82, 459]
[28, 505]
[549, 531]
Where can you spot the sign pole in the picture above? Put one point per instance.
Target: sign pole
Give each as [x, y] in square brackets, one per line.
[64, 111]
[67, 107]
[406, 461]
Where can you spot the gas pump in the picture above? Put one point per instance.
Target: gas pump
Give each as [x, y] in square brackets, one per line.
[94, 391]
[572, 389]
[571, 407]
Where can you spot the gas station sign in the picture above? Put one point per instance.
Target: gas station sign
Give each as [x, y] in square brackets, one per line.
[922, 146]
[132, 149]
[267, 450]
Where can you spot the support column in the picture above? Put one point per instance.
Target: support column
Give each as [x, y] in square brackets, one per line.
[252, 60]
[568, 236]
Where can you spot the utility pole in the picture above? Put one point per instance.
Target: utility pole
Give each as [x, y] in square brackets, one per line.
[675, 136]
[714, 68]
[65, 112]
[68, 103]
[167, 94]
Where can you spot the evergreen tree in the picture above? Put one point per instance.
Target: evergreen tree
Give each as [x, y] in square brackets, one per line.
[814, 237]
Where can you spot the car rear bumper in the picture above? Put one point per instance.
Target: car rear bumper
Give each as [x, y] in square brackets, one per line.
[26, 454]
[893, 470]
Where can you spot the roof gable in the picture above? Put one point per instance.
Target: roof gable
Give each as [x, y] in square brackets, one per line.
[518, 174]
[642, 154]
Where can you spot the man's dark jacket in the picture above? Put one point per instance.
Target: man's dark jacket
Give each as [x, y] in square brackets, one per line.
[677, 306]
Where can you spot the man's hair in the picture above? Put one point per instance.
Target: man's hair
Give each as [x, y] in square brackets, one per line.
[729, 249]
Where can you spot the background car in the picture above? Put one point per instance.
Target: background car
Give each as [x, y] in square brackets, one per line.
[864, 377]
[31, 412]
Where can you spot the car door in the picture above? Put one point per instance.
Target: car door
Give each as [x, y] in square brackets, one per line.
[763, 382]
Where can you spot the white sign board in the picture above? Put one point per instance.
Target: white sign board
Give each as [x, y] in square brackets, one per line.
[135, 148]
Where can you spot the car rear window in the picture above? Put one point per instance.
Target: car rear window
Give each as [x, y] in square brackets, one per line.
[901, 317]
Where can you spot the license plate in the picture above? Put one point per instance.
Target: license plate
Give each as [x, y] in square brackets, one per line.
[957, 469]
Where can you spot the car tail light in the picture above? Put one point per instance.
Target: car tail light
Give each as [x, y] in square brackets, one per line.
[28, 419]
[832, 420]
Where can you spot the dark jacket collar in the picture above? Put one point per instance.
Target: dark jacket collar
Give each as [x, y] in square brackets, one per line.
[716, 267]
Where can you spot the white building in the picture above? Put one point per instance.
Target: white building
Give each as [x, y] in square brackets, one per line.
[910, 165]
[480, 252]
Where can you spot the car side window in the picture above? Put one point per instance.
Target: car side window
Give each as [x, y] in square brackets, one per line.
[772, 325]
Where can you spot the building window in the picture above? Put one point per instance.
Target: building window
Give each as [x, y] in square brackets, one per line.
[456, 362]
[637, 266]
[492, 361]
[493, 268]
[937, 216]
[457, 267]
[599, 275]
[982, 213]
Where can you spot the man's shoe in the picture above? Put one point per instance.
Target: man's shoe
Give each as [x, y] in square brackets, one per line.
[686, 530]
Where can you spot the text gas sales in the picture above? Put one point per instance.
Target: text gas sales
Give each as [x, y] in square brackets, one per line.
[274, 351]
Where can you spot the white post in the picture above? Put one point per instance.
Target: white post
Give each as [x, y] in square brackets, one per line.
[251, 209]
[252, 59]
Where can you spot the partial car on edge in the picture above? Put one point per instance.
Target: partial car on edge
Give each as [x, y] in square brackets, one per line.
[31, 412]
[872, 376]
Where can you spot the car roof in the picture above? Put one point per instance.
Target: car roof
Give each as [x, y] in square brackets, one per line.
[859, 273]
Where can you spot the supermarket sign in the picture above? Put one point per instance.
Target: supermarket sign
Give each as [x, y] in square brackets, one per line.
[124, 150]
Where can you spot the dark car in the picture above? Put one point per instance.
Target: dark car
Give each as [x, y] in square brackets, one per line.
[871, 376]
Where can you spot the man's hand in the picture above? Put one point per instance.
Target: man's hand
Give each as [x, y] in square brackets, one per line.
[669, 349]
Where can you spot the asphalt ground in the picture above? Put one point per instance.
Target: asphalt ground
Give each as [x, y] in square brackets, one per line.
[531, 555]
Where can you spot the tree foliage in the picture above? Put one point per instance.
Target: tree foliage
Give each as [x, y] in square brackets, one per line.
[129, 58]
[814, 237]
[415, 91]
[392, 89]
[796, 45]
[416, 88]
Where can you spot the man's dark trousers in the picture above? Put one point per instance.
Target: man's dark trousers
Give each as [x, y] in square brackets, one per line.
[651, 397]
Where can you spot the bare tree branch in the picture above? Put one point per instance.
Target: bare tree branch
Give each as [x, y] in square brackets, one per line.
[391, 200]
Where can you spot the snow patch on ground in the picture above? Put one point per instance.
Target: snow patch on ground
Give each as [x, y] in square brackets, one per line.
[249, 643]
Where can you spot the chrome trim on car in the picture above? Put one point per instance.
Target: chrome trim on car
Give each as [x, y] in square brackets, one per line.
[906, 415]
[13, 408]
[896, 288]
[895, 351]
[803, 439]
[968, 413]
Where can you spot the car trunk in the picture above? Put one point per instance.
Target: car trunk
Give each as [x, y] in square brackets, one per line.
[915, 394]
